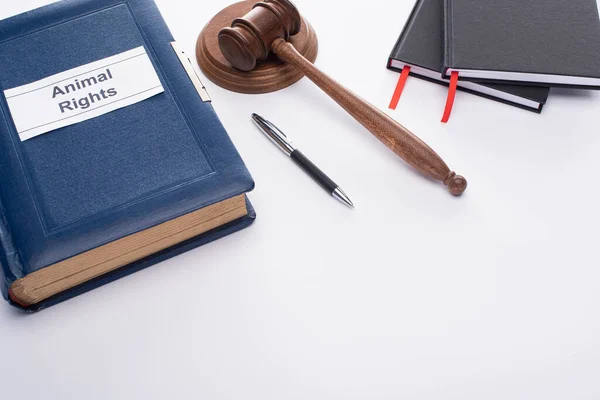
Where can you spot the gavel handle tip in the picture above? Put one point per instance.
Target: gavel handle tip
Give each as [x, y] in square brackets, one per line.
[457, 184]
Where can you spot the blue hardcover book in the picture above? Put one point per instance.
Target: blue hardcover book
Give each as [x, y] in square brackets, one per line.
[111, 155]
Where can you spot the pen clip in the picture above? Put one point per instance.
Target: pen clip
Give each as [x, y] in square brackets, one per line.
[278, 131]
[274, 134]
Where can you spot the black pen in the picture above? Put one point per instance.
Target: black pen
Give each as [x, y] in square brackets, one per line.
[285, 144]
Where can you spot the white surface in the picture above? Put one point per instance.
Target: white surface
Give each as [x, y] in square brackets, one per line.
[414, 295]
[112, 83]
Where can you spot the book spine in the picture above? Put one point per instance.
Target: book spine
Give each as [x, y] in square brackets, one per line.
[404, 33]
[10, 260]
[447, 38]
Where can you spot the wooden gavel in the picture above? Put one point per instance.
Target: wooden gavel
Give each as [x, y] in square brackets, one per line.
[268, 27]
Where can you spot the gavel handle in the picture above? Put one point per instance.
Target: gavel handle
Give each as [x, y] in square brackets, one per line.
[399, 139]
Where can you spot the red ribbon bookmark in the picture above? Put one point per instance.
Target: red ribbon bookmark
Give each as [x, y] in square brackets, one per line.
[451, 96]
[399, 87]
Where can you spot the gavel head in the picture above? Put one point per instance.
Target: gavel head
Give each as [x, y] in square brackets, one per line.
[249, 39]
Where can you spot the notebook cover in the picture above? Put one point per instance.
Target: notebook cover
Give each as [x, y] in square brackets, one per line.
[421, 44]
[554, 37]
[82, 186]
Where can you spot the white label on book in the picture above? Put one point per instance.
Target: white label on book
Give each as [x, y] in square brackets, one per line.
[82, 93]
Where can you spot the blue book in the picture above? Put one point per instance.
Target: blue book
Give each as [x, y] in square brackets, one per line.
[97, 199]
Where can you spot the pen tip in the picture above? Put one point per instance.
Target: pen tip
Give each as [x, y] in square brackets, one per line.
[343, 197]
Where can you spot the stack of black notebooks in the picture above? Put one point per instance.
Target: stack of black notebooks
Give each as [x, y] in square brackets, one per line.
[512, 51]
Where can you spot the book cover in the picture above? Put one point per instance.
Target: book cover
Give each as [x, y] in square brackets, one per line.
[79, 187]
[550, 42]
[421, 48]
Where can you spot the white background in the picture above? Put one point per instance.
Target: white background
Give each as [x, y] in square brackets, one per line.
[414, 295]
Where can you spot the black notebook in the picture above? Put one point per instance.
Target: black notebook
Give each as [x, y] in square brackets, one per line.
[421, 47]
[553, 42]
